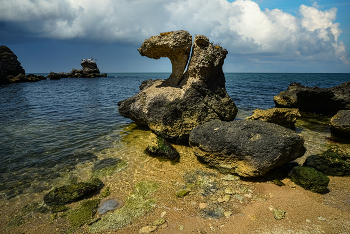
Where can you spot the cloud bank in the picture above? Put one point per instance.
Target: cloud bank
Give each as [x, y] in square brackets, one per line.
[241, 26]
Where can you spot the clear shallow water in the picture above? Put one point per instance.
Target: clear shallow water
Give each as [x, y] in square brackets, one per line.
[49, 127]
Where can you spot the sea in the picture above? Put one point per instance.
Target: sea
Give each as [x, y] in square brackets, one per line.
[52, 127]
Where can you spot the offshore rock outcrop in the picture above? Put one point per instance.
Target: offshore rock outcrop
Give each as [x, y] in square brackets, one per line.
[285, 117]
[247, 148]
[89, 70]
[9, 65]
[313, 99]
[171, 108]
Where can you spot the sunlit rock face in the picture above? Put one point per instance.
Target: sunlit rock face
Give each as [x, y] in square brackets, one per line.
[171, 108]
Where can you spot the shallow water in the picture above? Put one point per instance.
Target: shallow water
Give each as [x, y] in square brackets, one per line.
[55, 132]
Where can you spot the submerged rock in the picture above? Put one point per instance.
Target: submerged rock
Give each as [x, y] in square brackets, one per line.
[314, 99]
[330, 162]
[159, 147]
[285, 117]
[247, 148]
[172, 108]
[70, 193]
[9, 65]
[340, 123]
[309, 178]
[83, 214]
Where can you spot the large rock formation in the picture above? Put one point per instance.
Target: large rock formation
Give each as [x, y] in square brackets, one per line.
[89, 70]
[171, 108]
[174, 45]
[247, 148]
[9, 65]
[285, 117]
[340, 124]
[313, 99]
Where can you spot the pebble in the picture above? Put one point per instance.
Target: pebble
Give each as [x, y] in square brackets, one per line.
[181, 227]
[321, 218]
[230, 177]
[227, 213]
[229, 191]
[163, 214]
[226, 198]
[148, 229]
[202, 205]
[278, 214]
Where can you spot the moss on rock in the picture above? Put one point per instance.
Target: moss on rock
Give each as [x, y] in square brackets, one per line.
[15, 222]
[84, 213]
[331, 162]
[69, 193]
[182, 192]
[108, 166]
[106, 192]
[58, 208]
[34, 207]
[309, 178]
[159, 147]
[135, 206]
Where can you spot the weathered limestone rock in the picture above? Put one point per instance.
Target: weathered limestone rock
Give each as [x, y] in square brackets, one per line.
[340, 124]
[175, 45]
[173, 111]
[9, 65]
[317, 100]
[285, 117]
[247, 148]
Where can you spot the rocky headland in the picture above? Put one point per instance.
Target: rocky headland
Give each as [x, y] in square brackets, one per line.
[10, 67]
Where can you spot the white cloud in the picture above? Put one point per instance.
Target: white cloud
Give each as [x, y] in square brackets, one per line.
[240, 26]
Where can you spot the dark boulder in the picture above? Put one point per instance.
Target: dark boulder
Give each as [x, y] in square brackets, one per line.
[70, 193]
[309, 178]
[248, 148]
[158, 147]
[313, 99]
[340, 124]
[330, 162]
[9, 65]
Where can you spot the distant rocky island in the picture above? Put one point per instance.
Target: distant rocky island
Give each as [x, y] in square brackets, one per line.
[11, 70]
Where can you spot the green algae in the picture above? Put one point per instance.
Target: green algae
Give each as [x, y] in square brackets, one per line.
[15, 222]
[182, 192]
[108, 166]
[84, 213]
[159, 222]
[135, 206]
[53, 217]
[106, 192]
[309, 178]
[58, 208]
[73, 192]
[34, 207]
[159, 147]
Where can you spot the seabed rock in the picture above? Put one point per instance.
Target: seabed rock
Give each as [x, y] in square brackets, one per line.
[313, 99]
[159, 147]
[171, 108]
[309, 178]
[247, 148]
[340, 124]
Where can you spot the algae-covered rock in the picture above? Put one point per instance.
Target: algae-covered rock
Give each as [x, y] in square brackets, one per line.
[330, 162]
[135, 206]
[106, 192]
[84, 213]
[58, 208]
[74, 192]
[159, 222]
[34, 207]
[278, 214]
[182, 192]
[159, 147]
[108, 166]
[309, 178]
[15, 222]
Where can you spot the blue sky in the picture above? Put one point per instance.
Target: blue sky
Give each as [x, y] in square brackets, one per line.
[260, 36]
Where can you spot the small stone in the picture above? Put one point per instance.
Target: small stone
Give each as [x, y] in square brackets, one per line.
[292, 184]
[229, 191]
[321, 218]
[278, 182]
[181, 227]
[248, 195]
[159, 222]
[202, 205]
[227, 213]
[163, 214]
[148, 229]
[230, 177]
[220, 200]
[182, 192]
[226, 198]
[165, 225]
[278, 214]
[308, 220]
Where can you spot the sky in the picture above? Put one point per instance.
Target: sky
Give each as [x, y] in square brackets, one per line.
[299, 36]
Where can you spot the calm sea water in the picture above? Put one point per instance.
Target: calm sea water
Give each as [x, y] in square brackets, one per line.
[48, 127]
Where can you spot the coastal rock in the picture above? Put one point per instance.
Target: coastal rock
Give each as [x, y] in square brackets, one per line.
[340, 124]
[247, 148]
[285, 117]
[175, 45]
[89, 66]
[158, 147]
[173, 111]
[9, 65]
[70, 193]
[313, 99]
[331, 162]
[309, 179]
